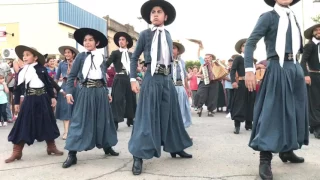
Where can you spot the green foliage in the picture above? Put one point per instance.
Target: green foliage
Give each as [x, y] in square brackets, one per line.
[191, 63]
[316, 19]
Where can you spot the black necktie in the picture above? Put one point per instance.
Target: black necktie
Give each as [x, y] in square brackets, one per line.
[159, 47]
[92, 63]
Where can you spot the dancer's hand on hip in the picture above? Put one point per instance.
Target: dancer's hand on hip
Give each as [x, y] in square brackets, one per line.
[134, 87]
[308, 80]
[53, 102]
[110, 98]
[251, 81]
[70, 99]
[17, 108]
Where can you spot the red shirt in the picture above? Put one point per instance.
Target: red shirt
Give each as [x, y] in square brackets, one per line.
[193, 83]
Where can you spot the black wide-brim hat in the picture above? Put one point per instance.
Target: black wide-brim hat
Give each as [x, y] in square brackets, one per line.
[308, 34]
[273, 2]
[239, 44]
[125, 35]
[180, 47]
[168, 9]
[63, 48]
[79, 35]
[21, 48]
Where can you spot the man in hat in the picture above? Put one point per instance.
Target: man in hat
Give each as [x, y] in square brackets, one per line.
[280, 120]
[180, 80]
[243, 100]
[311, 55]
[208, 89]
[124, 100]
[158, 120]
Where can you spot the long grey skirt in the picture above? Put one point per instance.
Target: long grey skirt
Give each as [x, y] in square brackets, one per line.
[184, 106]
[92, 122]
[63, 110]
[158, 120]
[280, 121]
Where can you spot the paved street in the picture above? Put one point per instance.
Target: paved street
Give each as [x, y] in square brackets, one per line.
[218, 154]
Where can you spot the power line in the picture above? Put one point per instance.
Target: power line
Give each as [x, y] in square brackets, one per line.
[22, 4]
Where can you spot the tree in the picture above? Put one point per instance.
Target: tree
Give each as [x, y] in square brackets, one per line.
[191, 64]
[316, 19]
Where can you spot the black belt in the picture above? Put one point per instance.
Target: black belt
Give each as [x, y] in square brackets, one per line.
[35, 91]
[178, 83]
[287, 57]
[93, 83]
[161, 69]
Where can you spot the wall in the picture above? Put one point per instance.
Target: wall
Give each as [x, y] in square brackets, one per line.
[37, 22]
[76, 17]
[114, 27]
[10, 41]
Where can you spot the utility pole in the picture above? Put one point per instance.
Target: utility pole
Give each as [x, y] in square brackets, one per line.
[303, 19]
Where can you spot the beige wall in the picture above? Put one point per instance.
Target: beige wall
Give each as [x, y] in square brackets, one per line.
[11, 41]
[36, 26]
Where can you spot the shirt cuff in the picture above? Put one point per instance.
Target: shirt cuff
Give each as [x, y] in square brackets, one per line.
[249, 69]
[133, 79]
[69, 95]
[61, 90]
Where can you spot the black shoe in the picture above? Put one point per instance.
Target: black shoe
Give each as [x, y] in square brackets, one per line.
[210, 114]
[129, 122]
[200, 111]
[265, 170]
[316, 132]
[137, 166]
[71, 160]
[236, 130]
[311, 130]
[248, 126]
[290, 156]
[116, 124]
[110, 151]
[182, 154]
[265, 165]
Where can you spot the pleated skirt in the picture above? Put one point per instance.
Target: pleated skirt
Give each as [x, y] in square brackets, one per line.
[280, 121]
[92, 121]
[158, 121]
[184, 106]
[35, 121]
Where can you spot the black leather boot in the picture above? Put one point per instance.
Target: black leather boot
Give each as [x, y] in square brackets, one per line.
[137, 166]
[116, 124]
[290, 156]
[237, 125]
[265, 165]
[248, 125]
[311, 130]
[236, 130]
[71, 159]
[129, 122]
[110, 151]
[316, 132]
[200, 111]
[182, 154]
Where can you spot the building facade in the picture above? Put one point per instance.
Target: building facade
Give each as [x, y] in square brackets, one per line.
[113, 28]
[45, 26]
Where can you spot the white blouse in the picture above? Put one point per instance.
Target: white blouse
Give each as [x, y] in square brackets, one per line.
[95, 71]
[29, 75]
